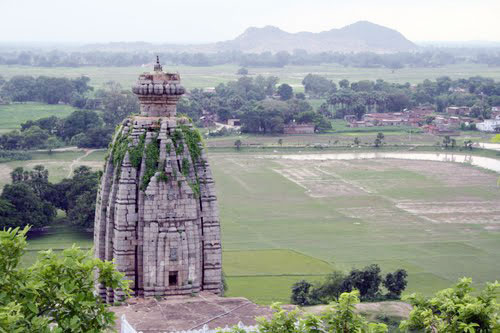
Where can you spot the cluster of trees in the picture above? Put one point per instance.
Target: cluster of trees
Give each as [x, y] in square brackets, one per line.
[91, 126]
[32, 199]
[261, 105]
[50, 90]
[428, 58]
[367, 281]
[57, 293]
[452, 310]
[358, 98]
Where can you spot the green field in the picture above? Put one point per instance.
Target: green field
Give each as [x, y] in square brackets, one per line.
[14, 115]
[351, 214]
[286, 220]
[200, 77]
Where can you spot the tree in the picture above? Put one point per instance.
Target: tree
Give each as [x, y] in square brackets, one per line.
[300, 96]
[56, 294]
[53, 143]
[238, 144]
[242, 71]
[300, 293]
[329, 290]
[25, 205]
[285, 91]
[367, 281]
[396, 283]
[446, 141]
[344, 83]
[318, 85]
[379, 140]
[79, 121]
[77, 195]
[456, 309]
[117, 106]
[468, 144]
[341, 316]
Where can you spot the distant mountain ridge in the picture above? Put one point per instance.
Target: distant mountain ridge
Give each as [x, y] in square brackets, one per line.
[362, 36]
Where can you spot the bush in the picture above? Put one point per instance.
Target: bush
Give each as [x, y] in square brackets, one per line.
[338, 317]
[456, 309]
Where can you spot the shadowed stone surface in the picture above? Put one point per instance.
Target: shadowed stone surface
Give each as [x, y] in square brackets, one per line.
[179, 313]
[156, 210]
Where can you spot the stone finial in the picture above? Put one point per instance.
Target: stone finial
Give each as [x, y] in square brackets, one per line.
[158, 92]
[158, 67]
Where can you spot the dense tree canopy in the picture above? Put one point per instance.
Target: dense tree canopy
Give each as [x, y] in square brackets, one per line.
[50, 90]
[31, 197]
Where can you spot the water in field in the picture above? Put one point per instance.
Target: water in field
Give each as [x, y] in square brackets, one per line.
[483, 162]
[491, 146]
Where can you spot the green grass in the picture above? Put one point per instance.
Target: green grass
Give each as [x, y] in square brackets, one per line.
[199, 77]
[261, 209]
[14, 115]
[272, 262]
[265, 289]
[57, 238]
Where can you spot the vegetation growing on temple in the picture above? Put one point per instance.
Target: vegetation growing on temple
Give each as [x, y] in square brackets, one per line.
[151, 163]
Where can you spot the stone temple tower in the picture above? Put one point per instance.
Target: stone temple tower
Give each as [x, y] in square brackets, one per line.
[156, 211]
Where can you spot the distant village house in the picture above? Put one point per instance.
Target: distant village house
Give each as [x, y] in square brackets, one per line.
[458, 110]
[295, 128]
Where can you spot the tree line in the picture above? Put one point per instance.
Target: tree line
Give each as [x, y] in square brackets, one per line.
[366, 96]
[260, 103]
[435, 57]
[366, 281]
[45, 89]
[91, 126]
[31, 198]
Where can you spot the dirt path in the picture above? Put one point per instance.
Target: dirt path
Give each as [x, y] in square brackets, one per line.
[77, 160]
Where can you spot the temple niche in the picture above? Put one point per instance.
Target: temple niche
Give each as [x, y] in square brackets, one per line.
[156, 210]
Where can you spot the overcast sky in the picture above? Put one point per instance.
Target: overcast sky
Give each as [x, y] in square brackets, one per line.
[188, 21]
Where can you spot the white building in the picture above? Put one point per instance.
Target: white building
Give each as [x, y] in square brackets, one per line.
[489, 125]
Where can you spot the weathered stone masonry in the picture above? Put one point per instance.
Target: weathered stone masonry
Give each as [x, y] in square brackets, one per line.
[156, 211]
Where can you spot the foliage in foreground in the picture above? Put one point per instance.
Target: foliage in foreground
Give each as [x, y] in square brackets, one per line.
[57, 291]
[456, 309]
[338, 317]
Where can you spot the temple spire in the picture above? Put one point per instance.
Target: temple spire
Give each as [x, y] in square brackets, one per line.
[158, 67]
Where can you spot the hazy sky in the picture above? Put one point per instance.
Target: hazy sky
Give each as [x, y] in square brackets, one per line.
[186, 21]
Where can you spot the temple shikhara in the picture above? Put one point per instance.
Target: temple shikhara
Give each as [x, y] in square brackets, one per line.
[156, 210]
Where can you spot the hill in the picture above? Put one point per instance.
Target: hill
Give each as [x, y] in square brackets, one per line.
[361, 36]
[358, 37]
